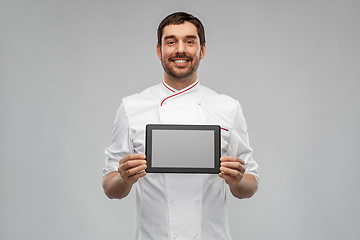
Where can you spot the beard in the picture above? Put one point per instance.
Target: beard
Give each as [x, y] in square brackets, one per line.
[181, 72]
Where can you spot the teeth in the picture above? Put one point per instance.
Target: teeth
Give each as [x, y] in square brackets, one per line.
[180, 61]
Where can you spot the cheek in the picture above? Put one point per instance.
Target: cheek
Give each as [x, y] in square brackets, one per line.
[165, 54]
[197, 55]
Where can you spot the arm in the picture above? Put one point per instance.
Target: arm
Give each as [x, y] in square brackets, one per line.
[114, 186]
[242, 185]
[120, 175]
[246, 188]
[131, 168]
[240, 174]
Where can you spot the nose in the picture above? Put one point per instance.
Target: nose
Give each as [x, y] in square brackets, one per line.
[180, 47]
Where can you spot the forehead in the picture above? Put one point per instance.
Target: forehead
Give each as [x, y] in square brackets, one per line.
[180, 30]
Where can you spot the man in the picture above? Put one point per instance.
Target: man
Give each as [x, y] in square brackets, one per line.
[183, 206]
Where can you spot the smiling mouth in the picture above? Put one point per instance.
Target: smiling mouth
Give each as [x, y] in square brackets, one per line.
[180, 61]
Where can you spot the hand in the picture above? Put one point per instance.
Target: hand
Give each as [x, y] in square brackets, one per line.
[232, 170]
[132, 167]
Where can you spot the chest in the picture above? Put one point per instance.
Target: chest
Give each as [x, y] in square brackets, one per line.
[185, 109]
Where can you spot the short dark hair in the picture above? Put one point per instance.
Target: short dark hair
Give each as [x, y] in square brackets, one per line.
[179, 18]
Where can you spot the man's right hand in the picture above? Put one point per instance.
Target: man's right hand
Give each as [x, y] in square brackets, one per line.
[132, 167]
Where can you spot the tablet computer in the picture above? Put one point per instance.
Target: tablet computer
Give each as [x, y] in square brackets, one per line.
[182, 148]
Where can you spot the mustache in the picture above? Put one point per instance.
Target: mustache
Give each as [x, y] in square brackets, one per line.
[185, 56]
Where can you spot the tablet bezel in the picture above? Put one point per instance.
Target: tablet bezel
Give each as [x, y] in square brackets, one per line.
[148, 148]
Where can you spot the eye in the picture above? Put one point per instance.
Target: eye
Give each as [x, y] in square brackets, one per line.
[190, 42]
[170, 42]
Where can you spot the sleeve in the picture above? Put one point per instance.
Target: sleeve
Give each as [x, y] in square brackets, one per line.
[239, 143]
[121, 144]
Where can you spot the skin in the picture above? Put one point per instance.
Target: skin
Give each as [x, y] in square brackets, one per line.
[232, 170]
[131, 168]
[180, 42]
[180, 55]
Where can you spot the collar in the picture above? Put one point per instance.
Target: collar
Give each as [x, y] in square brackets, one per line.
[175, 92]
[168, 88]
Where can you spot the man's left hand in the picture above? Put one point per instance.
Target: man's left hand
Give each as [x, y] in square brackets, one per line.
[232, 170]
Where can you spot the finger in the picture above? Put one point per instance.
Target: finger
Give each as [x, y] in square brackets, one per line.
[234, 165]
[132, 171]
[132, 163]
[138, 175]
[229, 179]
[132, 157]
[133, 178]
[232, 159]
[231, 172]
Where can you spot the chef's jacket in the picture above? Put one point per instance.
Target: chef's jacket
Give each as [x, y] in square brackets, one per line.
[179, 206]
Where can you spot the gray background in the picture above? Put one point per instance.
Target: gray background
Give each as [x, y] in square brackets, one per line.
[293, 65]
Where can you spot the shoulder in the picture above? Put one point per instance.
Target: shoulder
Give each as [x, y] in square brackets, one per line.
[148, 95]
[216, 100]
[220, 108]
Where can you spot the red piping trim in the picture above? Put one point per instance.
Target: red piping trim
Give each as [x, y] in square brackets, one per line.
[178, 93]
[167, 86]
[224, 129]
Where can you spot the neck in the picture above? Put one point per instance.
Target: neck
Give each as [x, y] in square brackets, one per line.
[179, 83]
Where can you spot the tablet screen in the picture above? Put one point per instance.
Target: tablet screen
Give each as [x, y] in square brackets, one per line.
[183, 148]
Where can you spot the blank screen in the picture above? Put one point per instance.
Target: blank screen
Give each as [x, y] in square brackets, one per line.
[183, 148]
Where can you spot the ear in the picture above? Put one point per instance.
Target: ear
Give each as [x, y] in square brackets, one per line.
[158, 51]
[203, 51]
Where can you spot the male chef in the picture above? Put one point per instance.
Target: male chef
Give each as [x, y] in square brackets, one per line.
[179, 206]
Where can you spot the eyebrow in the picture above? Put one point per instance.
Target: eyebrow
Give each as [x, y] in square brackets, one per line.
[168, 37]
[191, 36]
[173, 36]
